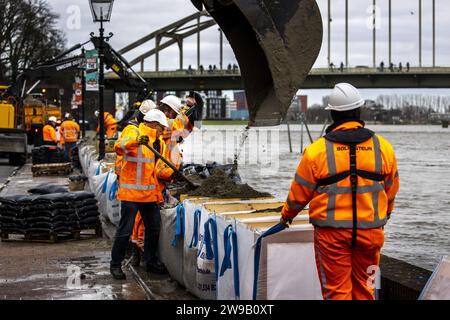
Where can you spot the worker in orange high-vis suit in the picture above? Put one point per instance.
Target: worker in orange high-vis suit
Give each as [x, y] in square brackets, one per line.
[49, 132]
[137, 191]
[110, 124]
[138, 229]
[69, 131]
[180, 124]
[350, 180]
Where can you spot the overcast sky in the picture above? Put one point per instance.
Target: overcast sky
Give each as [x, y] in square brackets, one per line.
[133, 19]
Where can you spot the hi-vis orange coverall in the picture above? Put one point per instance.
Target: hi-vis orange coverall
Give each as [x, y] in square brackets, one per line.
[49, 134]
[110, 125]
[69, 131]
[178, 127]
[346, 270]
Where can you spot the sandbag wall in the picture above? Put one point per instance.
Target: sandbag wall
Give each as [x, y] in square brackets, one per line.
[49, 214]
[216, 240]
[102, 181]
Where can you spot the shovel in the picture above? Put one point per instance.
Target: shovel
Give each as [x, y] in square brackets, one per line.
[191, 185]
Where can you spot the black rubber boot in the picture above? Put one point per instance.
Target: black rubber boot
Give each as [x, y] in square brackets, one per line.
[156, 267]
[136, 256]
[117, 273]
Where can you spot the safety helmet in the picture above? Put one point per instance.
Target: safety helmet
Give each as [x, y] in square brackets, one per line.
[344, 97]
[173, 102]
[146, 106]
[97, 113]
[156, 115]
[52, 119]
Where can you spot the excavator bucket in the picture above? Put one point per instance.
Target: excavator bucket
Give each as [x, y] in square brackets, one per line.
[276, 43]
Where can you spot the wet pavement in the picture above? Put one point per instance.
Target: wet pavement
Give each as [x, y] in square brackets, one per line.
[64, 270]
[70, 270]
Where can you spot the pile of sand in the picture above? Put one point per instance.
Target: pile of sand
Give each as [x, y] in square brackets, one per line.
[220, 185]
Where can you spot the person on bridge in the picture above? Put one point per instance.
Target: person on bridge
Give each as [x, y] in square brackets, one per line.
[49, 132]
[138, 190]
[110, 124]
[69, 131]
[350, 180]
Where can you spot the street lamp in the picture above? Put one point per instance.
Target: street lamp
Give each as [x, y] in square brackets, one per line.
[101, 12]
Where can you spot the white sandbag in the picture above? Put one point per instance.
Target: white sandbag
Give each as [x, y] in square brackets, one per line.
[208, 260]
[99, 184]
[191, 244]
[438, 286]
[170, 251]
[112, 203]
[294, 248]
[228, 287]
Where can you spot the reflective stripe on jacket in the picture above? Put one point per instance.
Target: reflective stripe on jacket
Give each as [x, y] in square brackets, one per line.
[69, 131]
[138, 174]
[49, 133]
[331, 205]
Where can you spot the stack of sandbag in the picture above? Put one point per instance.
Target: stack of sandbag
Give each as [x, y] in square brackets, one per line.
[47, 154]
[11, 218]
[49, 213]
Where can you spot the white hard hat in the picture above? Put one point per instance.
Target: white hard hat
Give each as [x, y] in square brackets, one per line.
[52, 119]
[97, 113]
[157, 116]
[173, 102]
[344, 97]
[146, 106]
[67, 115]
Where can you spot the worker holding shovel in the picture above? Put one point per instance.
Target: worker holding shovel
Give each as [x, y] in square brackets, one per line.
[137, 190]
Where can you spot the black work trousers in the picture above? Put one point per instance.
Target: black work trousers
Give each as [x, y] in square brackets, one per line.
[152, 219]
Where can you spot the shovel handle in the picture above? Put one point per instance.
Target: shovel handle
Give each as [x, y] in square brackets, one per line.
[171, 166]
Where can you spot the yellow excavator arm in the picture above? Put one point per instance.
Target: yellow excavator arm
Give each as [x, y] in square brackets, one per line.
[276, 43]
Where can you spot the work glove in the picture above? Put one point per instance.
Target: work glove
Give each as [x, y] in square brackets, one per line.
[142, 139]
[285, 223]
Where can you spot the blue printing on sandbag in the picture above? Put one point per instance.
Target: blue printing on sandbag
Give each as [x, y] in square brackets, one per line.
[179, 224]
[97, 172]
[113, 191]
[275, 229]
[211, 253]
[197, 218]
[105, 184]
[226, 263]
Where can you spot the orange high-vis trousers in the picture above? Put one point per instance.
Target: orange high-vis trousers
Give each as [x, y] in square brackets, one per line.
[347, 273]
[138, 231]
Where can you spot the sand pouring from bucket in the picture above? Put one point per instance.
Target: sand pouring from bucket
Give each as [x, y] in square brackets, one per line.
[275, 43]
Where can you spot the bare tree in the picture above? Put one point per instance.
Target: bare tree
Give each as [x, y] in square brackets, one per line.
[28, 35]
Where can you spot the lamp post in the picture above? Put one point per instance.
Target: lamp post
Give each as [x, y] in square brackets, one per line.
[101, 12]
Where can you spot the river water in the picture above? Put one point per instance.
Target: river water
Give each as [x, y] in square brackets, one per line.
[419, 229]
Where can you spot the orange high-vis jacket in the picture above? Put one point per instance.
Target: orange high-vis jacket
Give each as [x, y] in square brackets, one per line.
[69, 131]
[49, 133]
[133, 124]
[178, 127]
[331, 205]
[164, 172]
[110, 125]
[138, 180]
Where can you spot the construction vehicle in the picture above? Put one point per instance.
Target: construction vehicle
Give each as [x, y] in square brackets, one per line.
[13, 138]
[275, 43]
[37, 113]
[26, 113]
